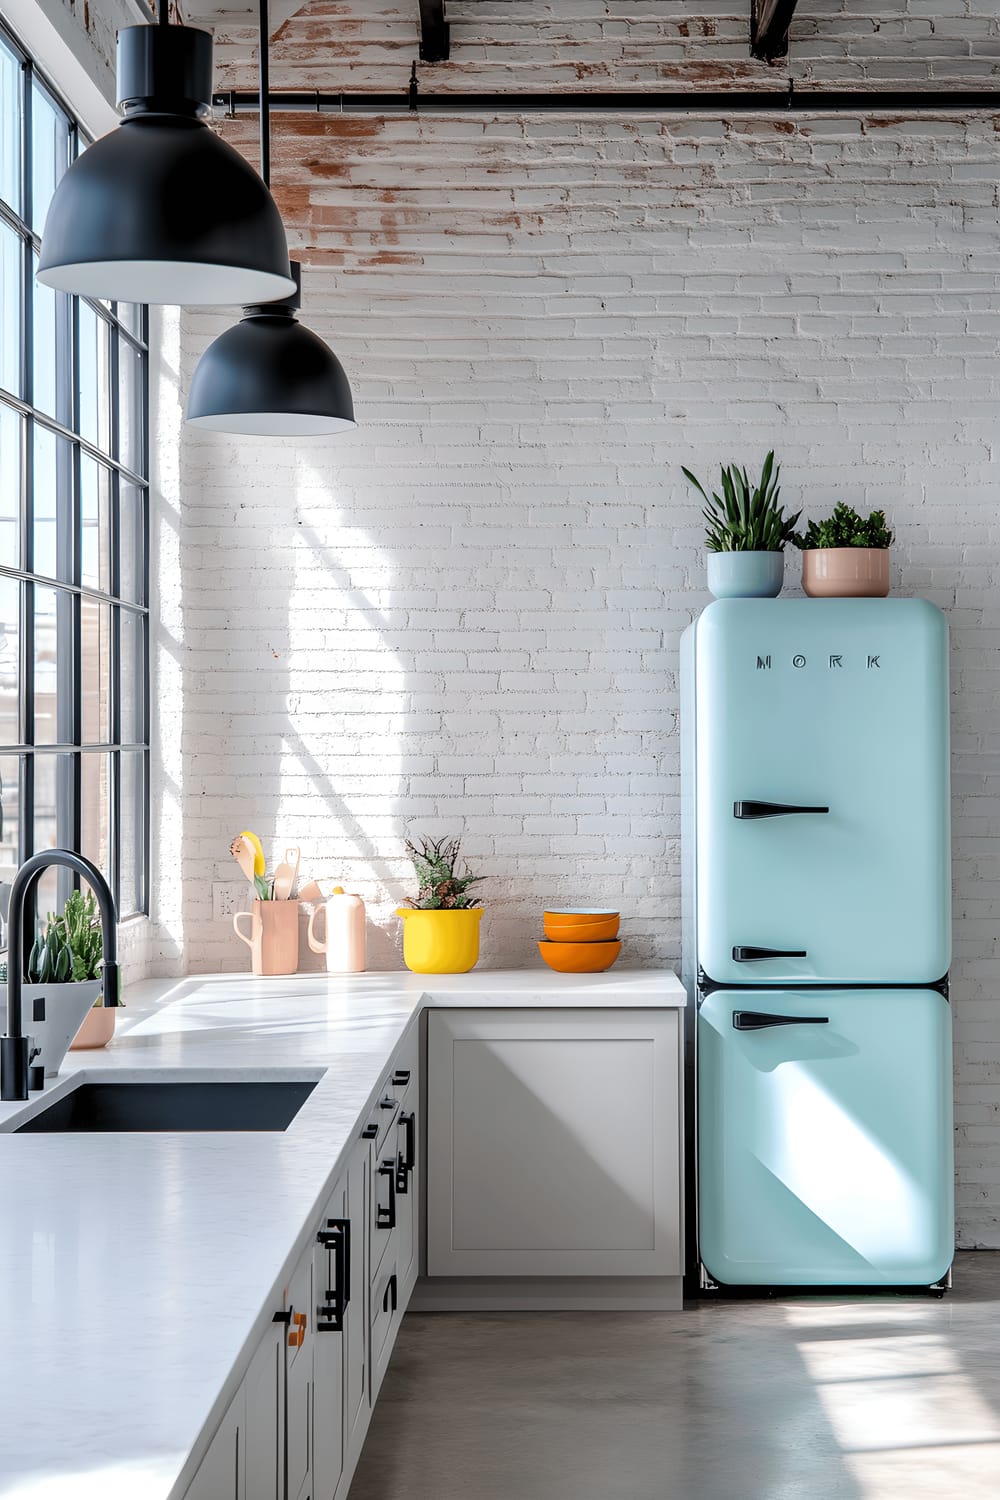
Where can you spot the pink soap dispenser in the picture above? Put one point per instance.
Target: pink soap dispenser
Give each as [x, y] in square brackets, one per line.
[344, 939]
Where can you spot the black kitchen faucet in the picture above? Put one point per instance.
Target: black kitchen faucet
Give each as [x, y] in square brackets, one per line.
[14, 1046]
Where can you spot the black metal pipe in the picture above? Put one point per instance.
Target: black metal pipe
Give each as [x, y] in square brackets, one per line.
[264, 94]
[680, 101]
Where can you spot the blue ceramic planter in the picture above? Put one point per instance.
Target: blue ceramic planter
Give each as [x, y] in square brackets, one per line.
[745, 575]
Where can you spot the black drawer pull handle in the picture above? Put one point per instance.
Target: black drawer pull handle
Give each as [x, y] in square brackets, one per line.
[742, 955]
[757, 1020]
[401, 1078]
[391, 1294]
[405, 1159]
[772, 809]
[369, 1133]
[336, 1237]
[387, 1102]
[386, 1217]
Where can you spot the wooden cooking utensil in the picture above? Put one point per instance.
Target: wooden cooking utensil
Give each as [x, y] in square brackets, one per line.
[311, 892]
[244, 856]
[284, 875]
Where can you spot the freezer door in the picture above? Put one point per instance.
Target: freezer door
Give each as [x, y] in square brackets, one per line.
[821, 798]
[825, 1137]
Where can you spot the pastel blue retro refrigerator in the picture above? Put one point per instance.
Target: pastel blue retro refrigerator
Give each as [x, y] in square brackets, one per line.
[817, 940]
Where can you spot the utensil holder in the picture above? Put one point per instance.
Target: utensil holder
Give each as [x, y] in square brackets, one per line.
[274, 936]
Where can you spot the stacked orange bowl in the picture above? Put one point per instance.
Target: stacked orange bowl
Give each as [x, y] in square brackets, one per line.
[584, 941]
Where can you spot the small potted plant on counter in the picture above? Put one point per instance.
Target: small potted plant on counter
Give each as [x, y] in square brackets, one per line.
[63, 986]
[846, 556]
[441, 926]
[746, 532]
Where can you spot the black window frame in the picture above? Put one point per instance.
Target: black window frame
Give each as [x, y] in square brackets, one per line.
[125, 326]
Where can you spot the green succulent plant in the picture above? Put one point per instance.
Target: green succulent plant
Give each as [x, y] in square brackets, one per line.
[745, 517]
[70, 948]
[441, 887]
[846, 528]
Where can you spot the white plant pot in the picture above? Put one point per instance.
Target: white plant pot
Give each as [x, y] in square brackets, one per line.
[66, 1008]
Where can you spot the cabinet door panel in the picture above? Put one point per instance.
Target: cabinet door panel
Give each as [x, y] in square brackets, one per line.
[265, 1426]
[221, 1473]
[356, 1318]
[553, 1143]
[298, 1379]
[328, 1361]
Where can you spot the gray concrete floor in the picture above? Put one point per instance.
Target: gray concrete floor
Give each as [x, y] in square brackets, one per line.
[812, 1398]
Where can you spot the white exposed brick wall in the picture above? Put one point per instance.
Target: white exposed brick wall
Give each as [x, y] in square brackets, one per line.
[465, 616]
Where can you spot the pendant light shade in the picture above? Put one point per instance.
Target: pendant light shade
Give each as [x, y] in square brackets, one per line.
[271, 377]
[161, 210]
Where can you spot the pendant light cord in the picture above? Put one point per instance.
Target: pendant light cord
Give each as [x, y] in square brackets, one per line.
[263, 49]
[164, 13]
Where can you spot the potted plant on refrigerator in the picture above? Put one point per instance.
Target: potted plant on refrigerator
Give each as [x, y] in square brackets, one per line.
[846, 556]
[441, 925]
[63, 979]
[746, 533]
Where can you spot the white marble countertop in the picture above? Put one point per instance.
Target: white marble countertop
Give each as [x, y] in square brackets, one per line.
[138, 1271]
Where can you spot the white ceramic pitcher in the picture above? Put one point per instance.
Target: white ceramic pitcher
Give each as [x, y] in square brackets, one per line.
[344, 940]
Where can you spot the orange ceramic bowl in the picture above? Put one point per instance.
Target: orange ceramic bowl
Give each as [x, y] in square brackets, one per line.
[579, 958]
[581, 915]
[594, 930]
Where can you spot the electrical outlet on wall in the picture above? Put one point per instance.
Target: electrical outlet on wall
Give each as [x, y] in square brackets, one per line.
[229, 897]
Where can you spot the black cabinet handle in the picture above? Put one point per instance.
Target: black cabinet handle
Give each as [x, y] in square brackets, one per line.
[391, 1294]
[772, 809]
[743, 955]
[387, 1102]
[386, 1217]
[370, 1132]
[336, 1236]
[409, 1124]
[405, 1161]
[757, 1020]
[401, 1078]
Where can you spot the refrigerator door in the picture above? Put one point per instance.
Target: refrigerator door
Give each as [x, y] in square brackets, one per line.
[825, 1137]
[821, 771]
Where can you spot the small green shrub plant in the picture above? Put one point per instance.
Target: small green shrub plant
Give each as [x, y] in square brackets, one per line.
[746, 517]
[845, 528]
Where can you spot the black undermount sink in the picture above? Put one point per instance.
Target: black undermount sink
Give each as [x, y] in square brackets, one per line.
[211, 1104]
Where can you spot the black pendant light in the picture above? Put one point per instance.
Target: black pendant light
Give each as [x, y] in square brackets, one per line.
[269, 376]
[161, 210]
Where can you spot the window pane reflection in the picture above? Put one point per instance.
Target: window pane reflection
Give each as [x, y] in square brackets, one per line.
[10, 660]
[11, 426]
[10, 813]
[95, 670]
[95, 525]
[53, 666]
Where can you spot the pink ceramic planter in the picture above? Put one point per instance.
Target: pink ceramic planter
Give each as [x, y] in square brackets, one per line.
[846, 572]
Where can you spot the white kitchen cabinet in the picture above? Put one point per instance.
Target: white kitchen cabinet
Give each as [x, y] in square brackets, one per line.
[553, 1143]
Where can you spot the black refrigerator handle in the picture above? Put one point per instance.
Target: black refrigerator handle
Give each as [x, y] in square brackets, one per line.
[757, 1020]
[746, 955]
[772, 809]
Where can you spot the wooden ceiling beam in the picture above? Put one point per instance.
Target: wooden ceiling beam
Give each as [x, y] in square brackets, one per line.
[769, 23]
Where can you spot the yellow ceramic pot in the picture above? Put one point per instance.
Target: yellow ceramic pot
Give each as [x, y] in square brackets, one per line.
[440, 942]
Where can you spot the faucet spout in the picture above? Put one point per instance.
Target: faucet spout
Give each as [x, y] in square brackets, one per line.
[14, 1045]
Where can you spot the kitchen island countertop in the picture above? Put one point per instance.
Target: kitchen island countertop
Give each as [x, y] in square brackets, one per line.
[140, 1270]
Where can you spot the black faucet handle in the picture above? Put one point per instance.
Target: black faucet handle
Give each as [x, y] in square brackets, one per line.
[111, 975]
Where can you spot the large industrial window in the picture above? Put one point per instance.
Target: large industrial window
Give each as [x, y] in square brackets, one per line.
[74, 740]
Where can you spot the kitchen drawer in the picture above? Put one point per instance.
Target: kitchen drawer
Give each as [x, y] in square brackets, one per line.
[386, 1318]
